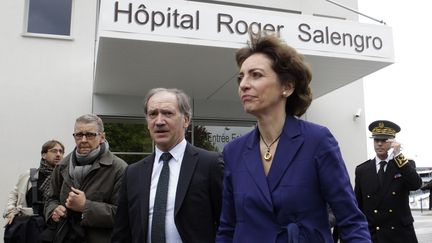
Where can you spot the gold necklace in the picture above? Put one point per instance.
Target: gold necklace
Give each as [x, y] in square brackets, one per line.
[268, 155]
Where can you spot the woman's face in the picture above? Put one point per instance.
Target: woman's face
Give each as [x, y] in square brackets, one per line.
[259, 88]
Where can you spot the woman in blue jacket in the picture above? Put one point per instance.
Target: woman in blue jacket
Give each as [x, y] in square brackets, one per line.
[280, 177]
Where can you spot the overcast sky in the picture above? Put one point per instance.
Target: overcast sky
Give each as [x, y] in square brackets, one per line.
[401, 92]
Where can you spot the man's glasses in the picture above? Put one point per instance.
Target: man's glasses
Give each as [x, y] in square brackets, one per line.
[56, 151]
[88, 135]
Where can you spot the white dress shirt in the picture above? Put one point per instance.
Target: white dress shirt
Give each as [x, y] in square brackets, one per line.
[171, 232]
[389, 157]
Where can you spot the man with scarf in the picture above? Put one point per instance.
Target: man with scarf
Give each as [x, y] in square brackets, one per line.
[84, 186]
[21, 202]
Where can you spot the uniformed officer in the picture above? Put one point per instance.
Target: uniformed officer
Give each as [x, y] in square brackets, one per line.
[382, 186]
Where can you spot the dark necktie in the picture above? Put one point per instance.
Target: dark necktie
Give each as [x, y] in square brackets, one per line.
[160, 202]
[381, 172]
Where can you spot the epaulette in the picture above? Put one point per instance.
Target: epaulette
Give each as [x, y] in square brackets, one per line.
[362, 164]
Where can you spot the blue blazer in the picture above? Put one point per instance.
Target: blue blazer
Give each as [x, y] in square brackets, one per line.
[290, 203]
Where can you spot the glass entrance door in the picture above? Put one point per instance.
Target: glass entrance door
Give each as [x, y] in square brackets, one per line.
[214, 135]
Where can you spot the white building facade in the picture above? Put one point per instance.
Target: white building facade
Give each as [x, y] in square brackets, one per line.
[112, 52]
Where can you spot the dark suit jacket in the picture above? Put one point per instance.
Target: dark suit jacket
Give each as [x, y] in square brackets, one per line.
[387, 207]
[197, 204]
[290, 203]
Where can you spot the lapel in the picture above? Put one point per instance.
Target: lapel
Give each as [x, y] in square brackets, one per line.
[190, 159]
[372, 176]
[144, 182]
[372, 182]
[289, 143]
[252, 158]
[389, 174]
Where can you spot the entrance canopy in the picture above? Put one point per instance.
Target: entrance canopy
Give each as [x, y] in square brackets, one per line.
[191, 46]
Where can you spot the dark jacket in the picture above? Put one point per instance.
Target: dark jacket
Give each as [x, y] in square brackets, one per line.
[197, 204]
[100, 186]
[387, 207]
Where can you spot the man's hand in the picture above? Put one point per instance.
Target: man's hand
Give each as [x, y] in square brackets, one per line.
[76, 200]
[9, 218]
[59, 212]
[396, 146]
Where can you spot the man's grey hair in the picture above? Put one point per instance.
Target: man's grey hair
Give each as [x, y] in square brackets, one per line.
[183, 100]
[91, 118]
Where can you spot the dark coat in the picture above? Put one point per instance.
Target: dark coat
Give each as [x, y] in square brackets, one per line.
[387, 207]
[197, 204]
[100, 186]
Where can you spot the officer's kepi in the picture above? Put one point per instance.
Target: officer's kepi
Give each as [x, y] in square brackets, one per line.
[383, 129]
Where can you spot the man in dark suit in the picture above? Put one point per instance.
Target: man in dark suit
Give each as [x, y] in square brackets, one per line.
[382, 187]
[177, 199]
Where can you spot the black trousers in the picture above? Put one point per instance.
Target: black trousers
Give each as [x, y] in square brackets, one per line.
[24, 229]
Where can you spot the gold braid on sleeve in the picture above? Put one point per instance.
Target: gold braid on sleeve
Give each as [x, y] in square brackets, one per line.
[401, 160]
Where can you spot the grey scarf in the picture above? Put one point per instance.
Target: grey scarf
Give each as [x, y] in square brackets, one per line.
[79, 165]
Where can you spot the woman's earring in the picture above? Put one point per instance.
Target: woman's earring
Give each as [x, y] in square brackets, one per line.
[284, 94]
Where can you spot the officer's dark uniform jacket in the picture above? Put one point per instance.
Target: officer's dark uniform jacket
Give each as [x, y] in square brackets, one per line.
[387, 207]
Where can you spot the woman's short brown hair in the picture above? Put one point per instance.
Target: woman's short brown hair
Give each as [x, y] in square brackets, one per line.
[289, 66]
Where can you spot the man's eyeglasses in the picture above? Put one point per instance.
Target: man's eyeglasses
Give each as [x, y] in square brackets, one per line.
[88, 135]
[55, 151]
